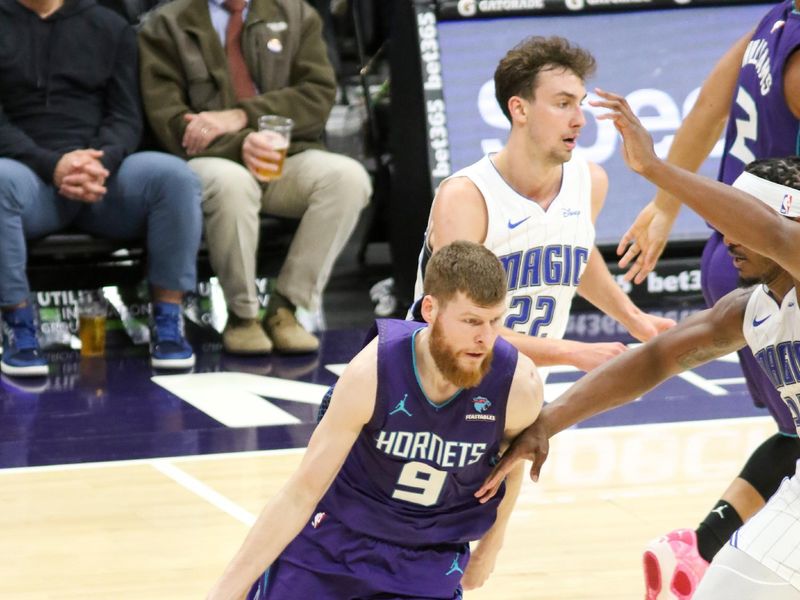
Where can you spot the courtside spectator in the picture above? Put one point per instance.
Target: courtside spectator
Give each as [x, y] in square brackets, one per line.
[210, 69]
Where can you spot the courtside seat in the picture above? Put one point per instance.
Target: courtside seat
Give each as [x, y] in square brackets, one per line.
[71, 260]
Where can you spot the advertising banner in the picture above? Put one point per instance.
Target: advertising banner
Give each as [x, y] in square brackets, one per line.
[657, 59]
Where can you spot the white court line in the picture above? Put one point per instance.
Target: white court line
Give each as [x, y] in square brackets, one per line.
[574, 430]
[728, 381]
[147, 461]
[337, 369]
[241, 399]
[206, 492]
[703, 383]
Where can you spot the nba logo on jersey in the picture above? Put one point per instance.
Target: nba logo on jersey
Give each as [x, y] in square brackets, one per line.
[318, 519]
[786, 205]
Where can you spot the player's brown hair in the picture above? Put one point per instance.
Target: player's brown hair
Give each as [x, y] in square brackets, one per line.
[517, 71]
[465, 267]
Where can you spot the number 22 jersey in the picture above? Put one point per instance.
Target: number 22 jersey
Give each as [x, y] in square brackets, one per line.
[544, 252]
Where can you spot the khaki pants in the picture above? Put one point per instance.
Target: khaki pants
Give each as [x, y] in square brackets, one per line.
[325, 191]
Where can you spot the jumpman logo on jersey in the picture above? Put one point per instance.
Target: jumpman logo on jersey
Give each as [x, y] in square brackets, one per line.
[719, 510]
[455, 567]
[401, 407]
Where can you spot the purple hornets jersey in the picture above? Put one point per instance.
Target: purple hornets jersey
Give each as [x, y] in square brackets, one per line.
[411, 474]
[760, 124]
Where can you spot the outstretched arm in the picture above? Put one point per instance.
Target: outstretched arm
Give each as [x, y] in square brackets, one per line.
[642, 245]
[284, 516]
[763, 231]
[546, 352]
[700, 338]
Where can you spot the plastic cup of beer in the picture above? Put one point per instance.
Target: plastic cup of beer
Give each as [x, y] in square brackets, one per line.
[92, 325]
[278, 132]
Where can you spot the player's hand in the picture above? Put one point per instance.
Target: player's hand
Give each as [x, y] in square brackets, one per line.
[643, 244]
[479, 568]
[532, 444]
[637, 148]
[645, 326]
[589, 356]
[648, 326]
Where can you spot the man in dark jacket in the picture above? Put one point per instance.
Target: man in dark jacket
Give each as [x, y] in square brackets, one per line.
[70, 120]
[210, 69]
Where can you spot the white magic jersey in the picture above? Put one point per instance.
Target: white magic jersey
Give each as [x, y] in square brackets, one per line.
[544, 253]
[772, 536]
[773, 334]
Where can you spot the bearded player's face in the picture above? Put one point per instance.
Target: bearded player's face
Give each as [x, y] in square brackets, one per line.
[462, 337]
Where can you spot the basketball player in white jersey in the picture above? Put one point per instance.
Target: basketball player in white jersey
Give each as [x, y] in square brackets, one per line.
[762, 559]
[534, 205]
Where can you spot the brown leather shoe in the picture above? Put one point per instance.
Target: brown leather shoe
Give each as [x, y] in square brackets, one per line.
[288, 335]
[245, 336]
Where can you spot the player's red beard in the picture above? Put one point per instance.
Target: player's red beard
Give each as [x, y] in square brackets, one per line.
[446, 361]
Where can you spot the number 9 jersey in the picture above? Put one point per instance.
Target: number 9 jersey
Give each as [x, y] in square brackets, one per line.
[411, 474]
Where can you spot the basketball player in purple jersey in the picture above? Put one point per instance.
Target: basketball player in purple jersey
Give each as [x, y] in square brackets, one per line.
[383, 503]
[756, 86]
[762, 559]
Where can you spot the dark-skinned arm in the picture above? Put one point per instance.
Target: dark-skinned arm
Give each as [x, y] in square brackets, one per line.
[646, 239]
[698, 339]
[763, 230]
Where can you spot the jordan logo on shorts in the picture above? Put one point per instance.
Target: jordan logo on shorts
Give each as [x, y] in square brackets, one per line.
[455, 567]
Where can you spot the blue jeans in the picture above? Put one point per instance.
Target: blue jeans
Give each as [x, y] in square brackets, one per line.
[153, 196]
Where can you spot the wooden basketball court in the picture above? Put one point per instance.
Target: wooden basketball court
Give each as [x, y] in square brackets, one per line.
[164, 529]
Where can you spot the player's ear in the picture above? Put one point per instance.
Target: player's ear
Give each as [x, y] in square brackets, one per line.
[518, 109]
[429, 308]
